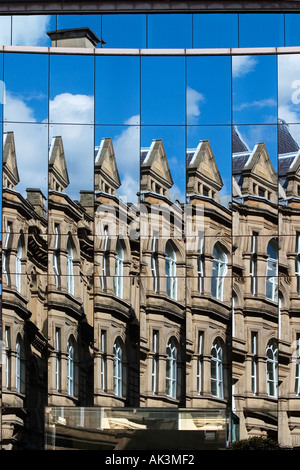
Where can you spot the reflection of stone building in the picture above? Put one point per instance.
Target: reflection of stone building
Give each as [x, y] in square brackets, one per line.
[159, 304]
[255, 290]
[289, 288]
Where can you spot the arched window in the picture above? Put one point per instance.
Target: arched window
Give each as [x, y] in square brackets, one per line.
[219, 271]
[272, 271]
[200, 267]
[70, 369]
[19, 266]
[154, 263]
[104, 259]
[119, 261]
[118, 368]
[7, 357]
[20, 370]
[58, 358]
[272, 368]
[56, 255]
[171, 369]
[70, 267]
[217, 386]
[6, 245]
[171, 271]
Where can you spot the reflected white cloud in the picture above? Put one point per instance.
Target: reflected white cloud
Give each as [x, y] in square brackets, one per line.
[68, 108]
[30, 30]
[242, 65]
[265, 103]
[289, 88]
[193, 101]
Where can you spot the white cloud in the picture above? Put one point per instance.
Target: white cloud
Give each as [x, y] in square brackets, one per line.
[242, 65]
[30, 30]
[32, 141]
[194, 98]
[264, 103]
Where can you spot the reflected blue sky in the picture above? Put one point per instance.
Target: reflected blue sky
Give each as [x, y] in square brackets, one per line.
[199, 30]
[254, 89]
[180, 100]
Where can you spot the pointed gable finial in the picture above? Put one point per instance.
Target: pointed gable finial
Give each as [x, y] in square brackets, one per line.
[10, 167]
[58, 173]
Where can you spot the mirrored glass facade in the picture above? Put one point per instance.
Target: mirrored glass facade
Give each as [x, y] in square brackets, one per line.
[150, 224]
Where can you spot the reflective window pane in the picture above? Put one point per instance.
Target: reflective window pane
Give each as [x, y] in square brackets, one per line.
[162, 97]
[214, 145]
[169, 142]
[5, 30]
[208, 97]
[30, 144]
[169, 31]
[124, 31]
[117, 91]
[26, 97]
[289, 88]
[75, 145]
[121, 146]
[71, 89]
[215, 30]
[79, 21]
[32, 30]
[292, 33]
[261, 30]
[254, 89]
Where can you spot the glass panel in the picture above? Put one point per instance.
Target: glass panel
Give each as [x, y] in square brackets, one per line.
[71, 151]
[124, 31]
[292, 33]
[254, 177]
[215, 30]
[205, 91]
[71, 89]
[209, 150]
[254, 89]
[289, 88]
[32, 30]
[117, 161]
[268, 28]
[5, 30]
[289, 187]
[117, 95]
[169, 142]
[26, 151]
[79, 21]
[26, 97]
[162, 97]
[169, 31]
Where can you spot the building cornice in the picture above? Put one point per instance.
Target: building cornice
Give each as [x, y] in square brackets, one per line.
[167, 6]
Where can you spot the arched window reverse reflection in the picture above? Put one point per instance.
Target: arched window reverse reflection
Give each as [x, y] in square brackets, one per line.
[272, 368]
[71, 368]
[118, 368]
[171, 270]
[272, 271]
[70, 268]
[119, 264]
[217, 385]
[171, 369]
[219, 270]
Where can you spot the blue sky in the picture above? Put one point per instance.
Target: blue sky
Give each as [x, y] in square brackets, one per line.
[134, 100]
